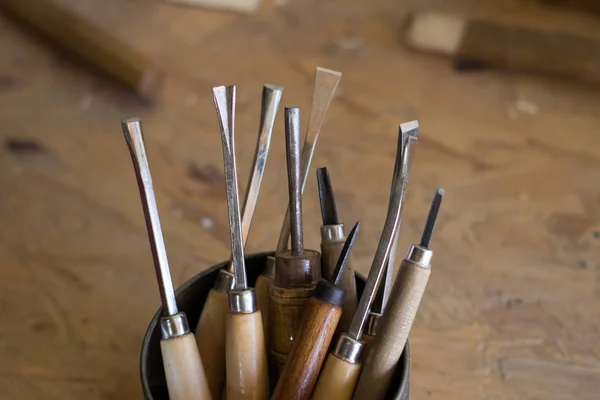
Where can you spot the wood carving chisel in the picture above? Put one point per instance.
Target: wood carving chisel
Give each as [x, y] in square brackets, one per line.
[342, 367]
[184, 372]
[332, 242]
[210, 331]
[297, 270]
[245, 354]
[321, 315]
[386, 348]
[326, 82]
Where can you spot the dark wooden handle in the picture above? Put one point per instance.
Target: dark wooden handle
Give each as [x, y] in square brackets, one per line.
[287, 306]
[87, 43]
[308, 353]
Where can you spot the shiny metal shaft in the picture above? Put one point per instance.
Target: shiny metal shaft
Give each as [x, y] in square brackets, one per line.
[271, 98]
[326, 82]
[399, 182]
[132, 130]
[224, 97]
[292, 149]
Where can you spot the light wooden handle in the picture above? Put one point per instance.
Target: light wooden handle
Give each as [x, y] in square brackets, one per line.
[304, 362]
[367, 338]
[331, 253]
[385, 350]
[337, 380]
[84, 41]
[183, 369]
[286, 313]
[263, 299]
[246, 358]
[210, 335]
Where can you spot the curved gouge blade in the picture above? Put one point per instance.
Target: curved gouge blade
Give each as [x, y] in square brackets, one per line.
[399, 182]
[326, 82]
[132, 130]
[326, 198]
[224, 97]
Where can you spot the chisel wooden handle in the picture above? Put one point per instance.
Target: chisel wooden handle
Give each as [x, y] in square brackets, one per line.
[321, 315]
[247, 369]
[183, 369]
[287, 306]
[386, 348]
[84, 41]
[210, 335]
[337, 380]
[330, 253]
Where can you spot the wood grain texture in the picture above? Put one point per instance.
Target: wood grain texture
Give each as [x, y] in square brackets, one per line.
[330, 253]
[247, 369]
[309, 350]
[87, 43]
[337, 380]
[185, 376]
[513, 303]
[287, 307]
[383, 353]
[210, 335]
[263, 299]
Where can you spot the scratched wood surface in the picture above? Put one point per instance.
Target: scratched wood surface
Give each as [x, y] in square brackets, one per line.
[511, 310]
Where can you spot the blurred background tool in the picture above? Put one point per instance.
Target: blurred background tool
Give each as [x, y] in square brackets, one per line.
[340, 373]
[502, 44]
[326, 82]
[183, 369]
[240, 6]
[210, 331]
[297, 270]
[320, 317]
[332, 242]
[81, 40]
[246, 358]
[385, 350]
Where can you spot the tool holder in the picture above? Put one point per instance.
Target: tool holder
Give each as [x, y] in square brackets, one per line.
[190, 299]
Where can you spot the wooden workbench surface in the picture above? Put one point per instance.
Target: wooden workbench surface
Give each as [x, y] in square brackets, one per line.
[511, 311]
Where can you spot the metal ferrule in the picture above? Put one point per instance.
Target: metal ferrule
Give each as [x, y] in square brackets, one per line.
[332, 233]
[242, 301]
[225, 281]
[420, 255]
[269, 270]
[173, 326]
[349, 349]
[373, 322]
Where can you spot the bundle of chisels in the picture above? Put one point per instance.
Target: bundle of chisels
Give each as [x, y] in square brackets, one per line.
[302, 332]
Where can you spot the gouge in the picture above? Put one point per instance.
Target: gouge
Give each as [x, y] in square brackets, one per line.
[245, 355]
[83, 41]
[321, 315]
[183, 369]
[385, 350]
[332, 241]
[326, 82]
[210, 331]
[297, 270]
[340, 373]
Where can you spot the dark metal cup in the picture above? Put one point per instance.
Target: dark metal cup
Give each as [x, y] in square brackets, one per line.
[190, 299]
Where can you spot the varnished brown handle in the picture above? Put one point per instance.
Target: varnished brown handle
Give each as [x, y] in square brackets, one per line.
[183, 369]
[263, 300]
[286, 313]
[337, 380]
[80, 39]
[305, 360]
[247, 369]
[210, 335]
[331, 253]
[385, 350]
